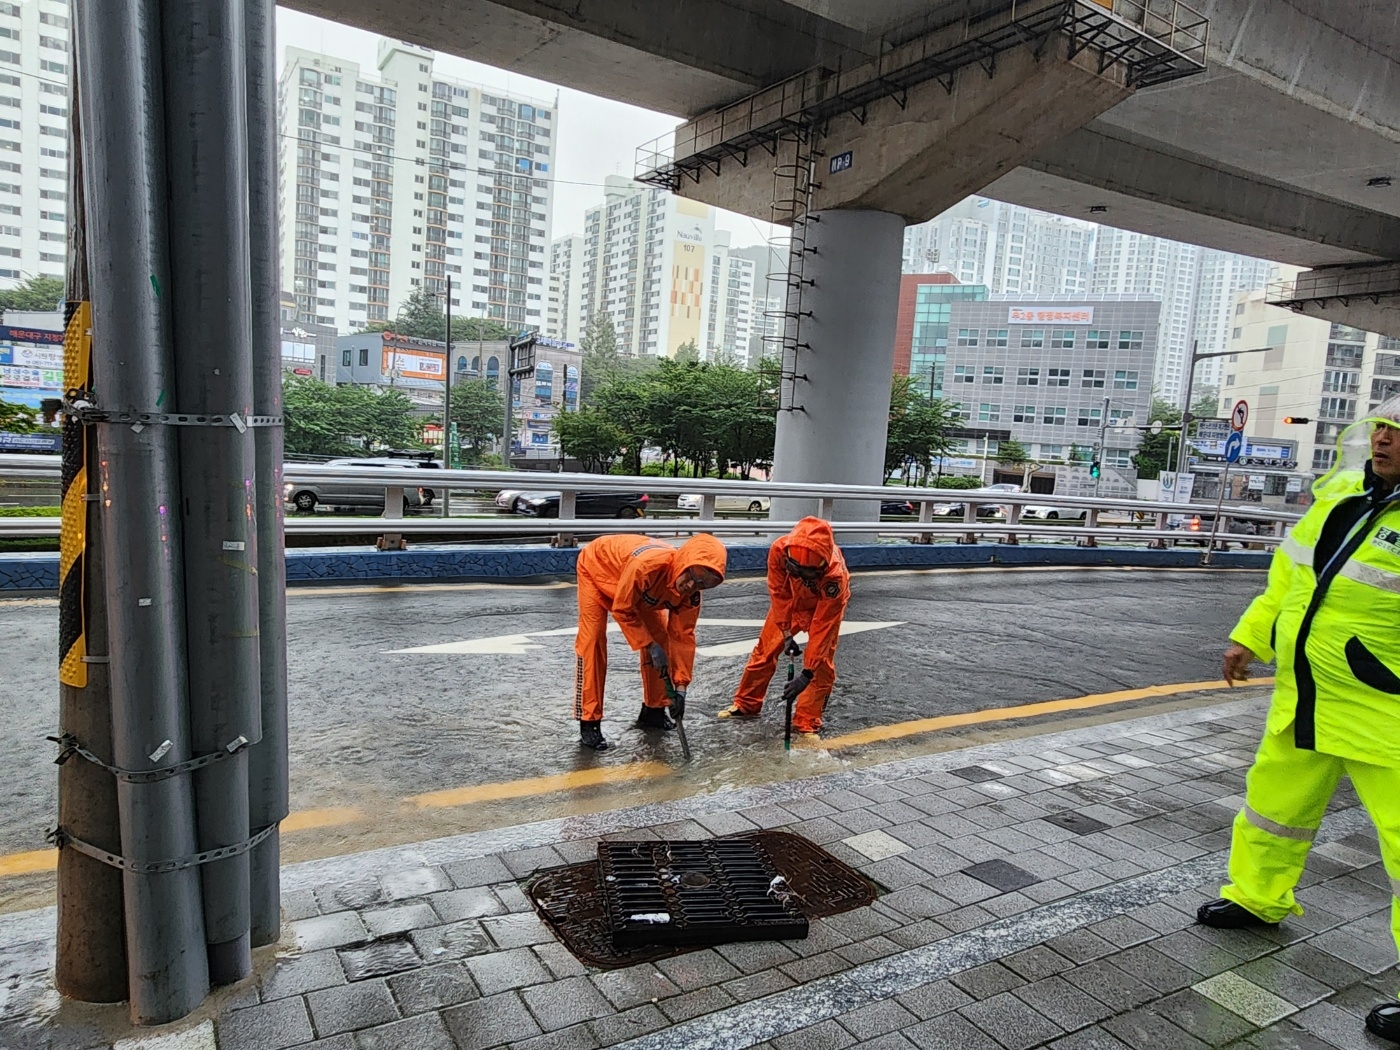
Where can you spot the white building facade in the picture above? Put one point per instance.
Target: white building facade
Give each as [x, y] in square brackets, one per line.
[395, 180]
[34, 70]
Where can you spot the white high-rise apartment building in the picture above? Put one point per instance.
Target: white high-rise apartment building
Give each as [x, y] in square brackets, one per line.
[731, 305]
[1221, 277]
[564, 315]
[1010, 250]
[395, 180]
[34, 65]
[647, 264]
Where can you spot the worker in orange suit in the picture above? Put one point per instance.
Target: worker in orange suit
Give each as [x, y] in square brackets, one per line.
[652, 590]
[808, 588]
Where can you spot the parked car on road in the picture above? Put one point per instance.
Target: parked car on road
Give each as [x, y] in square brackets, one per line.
[505, 499]
[752, 504]
[366, 493]
[586, 505]
[1198, 528]
[897, 508]
[1048, 513]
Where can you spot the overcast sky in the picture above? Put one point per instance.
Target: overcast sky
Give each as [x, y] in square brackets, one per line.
[596, 137]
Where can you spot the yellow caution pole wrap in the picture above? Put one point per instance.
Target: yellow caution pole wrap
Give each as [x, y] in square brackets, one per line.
[72, 640]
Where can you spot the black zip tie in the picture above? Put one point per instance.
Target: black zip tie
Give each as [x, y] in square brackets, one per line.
[68, 746]
[63, 840]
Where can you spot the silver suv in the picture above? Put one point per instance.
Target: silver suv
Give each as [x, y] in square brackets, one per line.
[361, 494]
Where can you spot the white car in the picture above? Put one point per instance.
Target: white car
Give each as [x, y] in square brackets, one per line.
[1053, 513]
[505, 499]
[752, 504]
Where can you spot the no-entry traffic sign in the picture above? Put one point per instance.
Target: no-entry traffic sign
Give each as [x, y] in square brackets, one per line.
[1239, 415]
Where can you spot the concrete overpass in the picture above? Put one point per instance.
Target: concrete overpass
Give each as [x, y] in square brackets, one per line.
[1271, 152]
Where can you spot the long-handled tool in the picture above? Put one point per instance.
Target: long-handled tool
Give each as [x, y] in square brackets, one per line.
[677, 711]
[792, 653]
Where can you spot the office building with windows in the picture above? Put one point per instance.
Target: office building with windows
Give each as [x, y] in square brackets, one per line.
[921, 327]
[1292, 365]
[395, 180]
[1053, 372]
[34, 69]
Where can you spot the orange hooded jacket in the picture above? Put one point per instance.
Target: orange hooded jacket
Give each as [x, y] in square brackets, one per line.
[816, 607]
[636, 578]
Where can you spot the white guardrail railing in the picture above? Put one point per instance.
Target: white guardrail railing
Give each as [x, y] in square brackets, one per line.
[828, 500]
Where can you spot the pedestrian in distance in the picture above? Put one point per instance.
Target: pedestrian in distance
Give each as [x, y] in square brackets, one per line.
[808, 588]
[1330, 617]
[652, 590]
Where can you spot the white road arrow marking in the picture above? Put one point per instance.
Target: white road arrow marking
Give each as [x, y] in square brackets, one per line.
[520, 644]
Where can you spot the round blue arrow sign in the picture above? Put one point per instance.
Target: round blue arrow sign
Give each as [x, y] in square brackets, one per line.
[1234, 447]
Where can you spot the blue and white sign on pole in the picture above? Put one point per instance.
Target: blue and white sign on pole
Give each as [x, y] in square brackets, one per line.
[1234, 446]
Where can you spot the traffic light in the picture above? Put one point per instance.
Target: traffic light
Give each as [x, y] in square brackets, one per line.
[1094, 469]
[1297, 419]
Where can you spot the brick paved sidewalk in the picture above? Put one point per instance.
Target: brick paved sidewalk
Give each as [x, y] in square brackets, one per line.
[1041, 894]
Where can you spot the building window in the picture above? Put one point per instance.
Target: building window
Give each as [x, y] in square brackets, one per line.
[1094, 378]
[1323, 459]
[1057, 377]
[1090, 417]
[1032, 338]
[968, 336]
[1129, 340]
[965, 374]
[1096, 340]
[364, 356]
[993, 375]
[1342, 408]
[1054, 417]
[988, 413]
[1123, 380]
[1062, 339]
[345, 358]
[997, 337]
[1239, 309]
[1023, 414]
[1118, 457]
[1344, 355]
[1028, 377]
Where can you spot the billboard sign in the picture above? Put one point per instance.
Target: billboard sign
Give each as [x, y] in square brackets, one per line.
[31, 378]
[45, 356]
[1051, 315]
[414, 364]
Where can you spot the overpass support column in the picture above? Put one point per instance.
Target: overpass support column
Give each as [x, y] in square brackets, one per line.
[832, 426]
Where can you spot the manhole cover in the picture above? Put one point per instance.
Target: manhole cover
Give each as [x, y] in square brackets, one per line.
[714, 891]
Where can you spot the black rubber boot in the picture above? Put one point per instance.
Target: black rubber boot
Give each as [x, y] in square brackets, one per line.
[654, 718]
[1227, 915]
[590, 735]
[1384, 1021]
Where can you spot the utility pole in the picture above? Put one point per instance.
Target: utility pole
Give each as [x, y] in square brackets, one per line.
[447, 458]
[1103, 445]
[1186, 417]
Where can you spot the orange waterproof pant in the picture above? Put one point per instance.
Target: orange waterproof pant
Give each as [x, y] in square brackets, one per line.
[591, 658]
[753, 686]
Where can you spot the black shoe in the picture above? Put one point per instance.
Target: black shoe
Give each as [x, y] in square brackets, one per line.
[590, 734]
[1227, 915]
[1384, 1021]
[654, 718]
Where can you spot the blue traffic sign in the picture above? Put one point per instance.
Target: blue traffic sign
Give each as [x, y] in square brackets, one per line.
[1234, 446]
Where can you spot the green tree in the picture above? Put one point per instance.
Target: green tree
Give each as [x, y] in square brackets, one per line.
[390, 420]
[325, 420]
[687, 353]
[37, 293]
[1151, 457]
[1207, 403]
[421, 316]
[918, 431]
[591, 438]
[18, 419]
[478, 409]
[1015, 456]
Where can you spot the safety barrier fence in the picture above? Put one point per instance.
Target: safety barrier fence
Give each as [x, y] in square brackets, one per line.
[958, 514]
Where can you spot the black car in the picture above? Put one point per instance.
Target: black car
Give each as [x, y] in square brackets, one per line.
[897, 508]
[586, 504]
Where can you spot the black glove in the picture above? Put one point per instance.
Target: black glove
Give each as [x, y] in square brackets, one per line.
[657, 652]
[793, 689]
[792, 648]
[678, 704]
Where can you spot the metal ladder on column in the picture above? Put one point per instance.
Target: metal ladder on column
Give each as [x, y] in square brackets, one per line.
[794, 182]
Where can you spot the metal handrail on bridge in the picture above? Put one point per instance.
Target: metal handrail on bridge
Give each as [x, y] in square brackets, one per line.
[828, 499]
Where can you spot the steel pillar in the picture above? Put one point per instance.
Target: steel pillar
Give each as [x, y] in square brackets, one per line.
[207, 162]
[120, 94]
[835, 426]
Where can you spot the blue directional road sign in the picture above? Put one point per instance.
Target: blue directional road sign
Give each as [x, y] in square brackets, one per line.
[1234, 446]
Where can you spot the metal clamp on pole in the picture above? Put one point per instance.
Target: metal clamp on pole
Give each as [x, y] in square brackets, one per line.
[63, 840]
[68, 746]
[88, 413]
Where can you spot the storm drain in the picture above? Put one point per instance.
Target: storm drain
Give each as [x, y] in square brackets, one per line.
[647, 900]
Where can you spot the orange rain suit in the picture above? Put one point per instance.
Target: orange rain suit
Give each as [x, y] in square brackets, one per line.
[798, 605]
[634, 578]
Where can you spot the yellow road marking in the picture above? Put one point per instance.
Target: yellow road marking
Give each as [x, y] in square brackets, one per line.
[1000, 714]
[579, 778]
[305, 820]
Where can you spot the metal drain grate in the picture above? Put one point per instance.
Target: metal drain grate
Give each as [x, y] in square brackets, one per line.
[709, 892]
[572, 901]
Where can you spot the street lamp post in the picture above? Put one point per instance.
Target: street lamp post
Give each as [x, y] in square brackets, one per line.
[447, 388]
[1186, 417]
